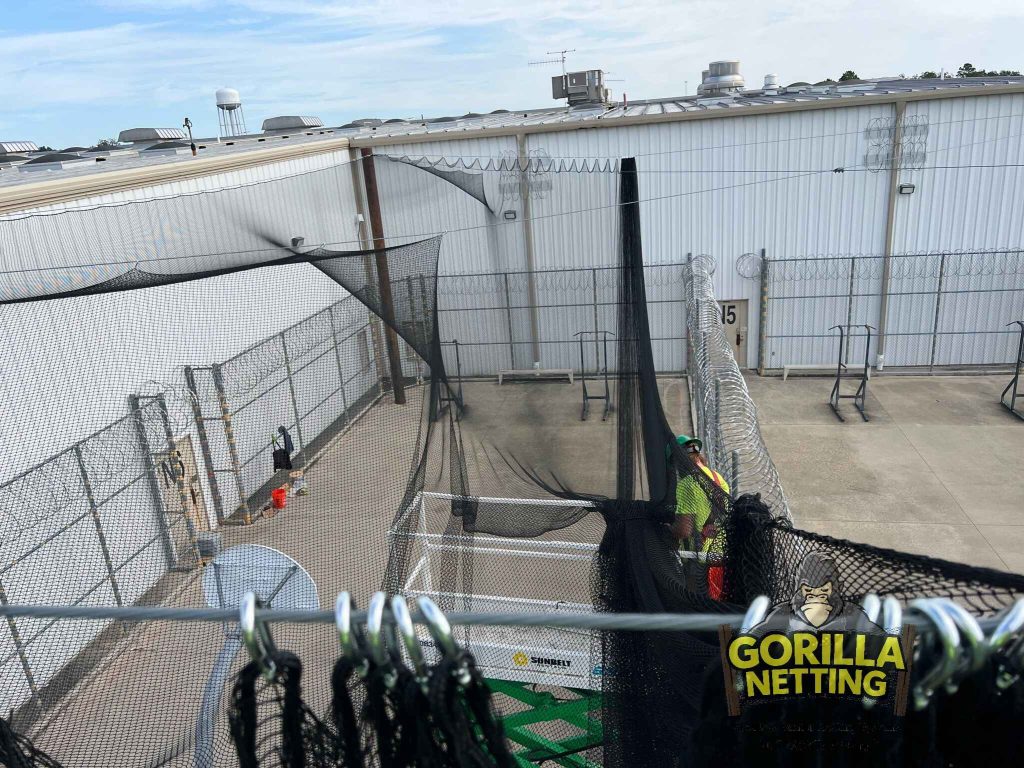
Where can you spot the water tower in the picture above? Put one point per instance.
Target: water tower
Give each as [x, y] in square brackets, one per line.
[229, 112]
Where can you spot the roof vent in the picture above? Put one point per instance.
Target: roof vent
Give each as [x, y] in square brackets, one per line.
[586, 87]
[136, 135]
[53, 161]
[771, 85]
[721, 78]
[290, 123]
[12, 147]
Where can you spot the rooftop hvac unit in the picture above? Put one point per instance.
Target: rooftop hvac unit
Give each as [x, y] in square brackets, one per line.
[721, 77]
[586, 87]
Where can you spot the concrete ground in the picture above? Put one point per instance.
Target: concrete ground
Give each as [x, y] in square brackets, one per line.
[140, 707]
[936, 470]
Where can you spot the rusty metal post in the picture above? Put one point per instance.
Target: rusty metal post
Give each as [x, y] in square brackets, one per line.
[383, 276]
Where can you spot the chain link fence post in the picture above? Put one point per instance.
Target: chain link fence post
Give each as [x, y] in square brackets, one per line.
[341, 369]
[19, 647]
[229, 438]
[166, 540]
[204, 441]
[94, 513]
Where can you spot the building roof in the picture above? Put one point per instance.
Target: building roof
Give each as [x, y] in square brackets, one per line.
[371, 131]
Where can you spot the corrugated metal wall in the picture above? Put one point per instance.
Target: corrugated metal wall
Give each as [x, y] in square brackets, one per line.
[727, 187]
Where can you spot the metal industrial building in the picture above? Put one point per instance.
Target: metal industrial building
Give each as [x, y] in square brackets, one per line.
[871, 169]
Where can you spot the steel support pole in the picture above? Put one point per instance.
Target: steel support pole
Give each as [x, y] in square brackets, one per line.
[341, 369]
[94, 513]
[890, 229]
[383, 276]
[762, 331]
[229, 438]
[718, 424]
[295, 401]
[204, 442]
[19, 646]
[849, 305]
[511, 334]
[170, 551]
[938, 311]
[597, 348]
[531, 285]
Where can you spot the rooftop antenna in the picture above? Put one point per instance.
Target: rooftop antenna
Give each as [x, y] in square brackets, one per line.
[559, 60]
[188, 125]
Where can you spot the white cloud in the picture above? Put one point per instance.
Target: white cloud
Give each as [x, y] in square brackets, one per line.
[393, 58]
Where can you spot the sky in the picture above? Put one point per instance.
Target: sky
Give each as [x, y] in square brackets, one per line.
[75, 71]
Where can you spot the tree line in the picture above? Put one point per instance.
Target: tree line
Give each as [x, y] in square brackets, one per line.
[966, 70]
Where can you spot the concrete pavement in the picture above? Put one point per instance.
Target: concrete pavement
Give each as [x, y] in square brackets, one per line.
[936, 470]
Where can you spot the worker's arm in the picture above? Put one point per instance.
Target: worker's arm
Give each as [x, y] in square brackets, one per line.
[682, 527]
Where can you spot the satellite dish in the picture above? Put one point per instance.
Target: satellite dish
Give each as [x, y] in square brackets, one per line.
[278, 580]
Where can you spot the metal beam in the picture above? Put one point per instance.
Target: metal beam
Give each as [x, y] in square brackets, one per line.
[531, 283]
[383, 276]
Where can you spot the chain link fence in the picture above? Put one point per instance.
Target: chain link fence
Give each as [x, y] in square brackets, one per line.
[119, 517]
[726, 417]
[945, 309]
[108, 521]
[313, 379]
[489, 314]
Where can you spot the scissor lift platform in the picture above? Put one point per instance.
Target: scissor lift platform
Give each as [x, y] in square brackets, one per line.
[518, 575]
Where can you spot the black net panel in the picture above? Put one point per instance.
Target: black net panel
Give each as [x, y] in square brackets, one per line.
[257, 406]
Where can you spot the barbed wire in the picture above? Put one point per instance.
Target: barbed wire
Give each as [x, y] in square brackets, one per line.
[111, 458]
[726, 415]
[956, 263]
[246, 371]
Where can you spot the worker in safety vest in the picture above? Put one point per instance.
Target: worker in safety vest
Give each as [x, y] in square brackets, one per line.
[694, 527]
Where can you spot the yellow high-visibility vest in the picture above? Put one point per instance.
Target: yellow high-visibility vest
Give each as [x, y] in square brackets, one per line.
[691, 499]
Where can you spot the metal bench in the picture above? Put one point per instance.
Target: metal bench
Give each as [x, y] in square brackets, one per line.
[534, 373]
[814, 367]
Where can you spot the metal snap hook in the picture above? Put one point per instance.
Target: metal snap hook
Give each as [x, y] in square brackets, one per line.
[872, 606]
[975, 650]
[892, 616]
[441, 631]
[949, 637]
[1003, 642]
[755, 613]
[375, 639]
[346, 635]
[255, 636]
[407, 633]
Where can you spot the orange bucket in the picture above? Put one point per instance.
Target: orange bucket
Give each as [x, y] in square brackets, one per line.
[279, 497]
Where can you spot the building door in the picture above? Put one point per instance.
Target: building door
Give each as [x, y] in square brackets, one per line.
[181, 463]
[734, 323]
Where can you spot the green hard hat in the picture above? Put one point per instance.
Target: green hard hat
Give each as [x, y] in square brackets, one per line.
[685, 439]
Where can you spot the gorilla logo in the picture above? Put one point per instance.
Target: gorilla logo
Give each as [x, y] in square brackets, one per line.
[817, 602]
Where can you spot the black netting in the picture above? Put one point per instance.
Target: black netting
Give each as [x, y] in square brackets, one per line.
[260, 387]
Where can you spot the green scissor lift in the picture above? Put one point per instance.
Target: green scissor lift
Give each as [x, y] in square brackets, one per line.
[582, 713]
